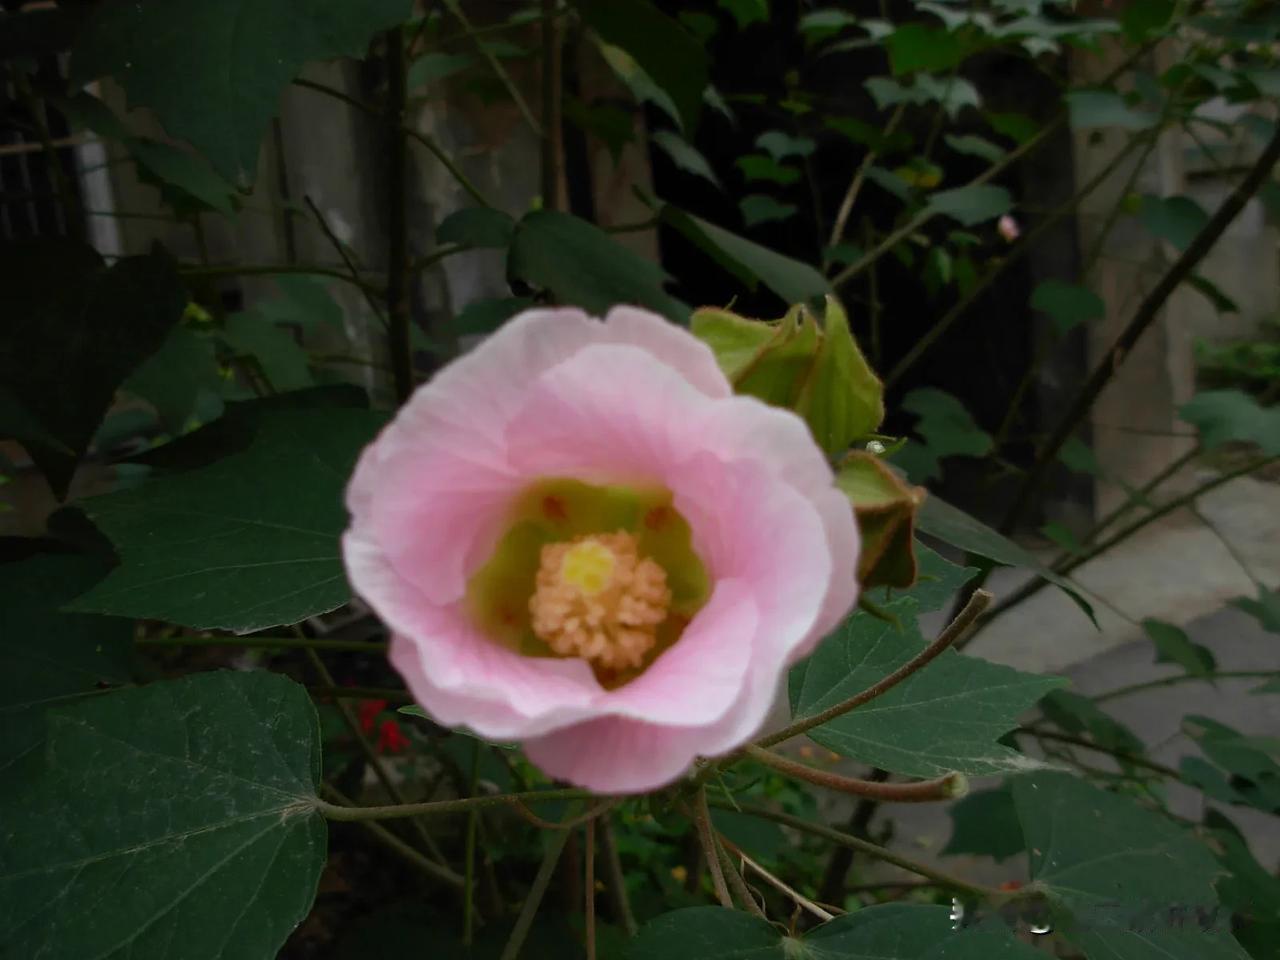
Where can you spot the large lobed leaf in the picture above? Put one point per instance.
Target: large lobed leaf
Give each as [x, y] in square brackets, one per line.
[171, 820]
[71, 330]
[250, 541]
[947, 716]
[213, 72]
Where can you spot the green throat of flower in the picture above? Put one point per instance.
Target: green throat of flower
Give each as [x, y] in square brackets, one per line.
[607, 573]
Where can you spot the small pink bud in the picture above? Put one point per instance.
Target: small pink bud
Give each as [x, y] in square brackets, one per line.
[1007, 227]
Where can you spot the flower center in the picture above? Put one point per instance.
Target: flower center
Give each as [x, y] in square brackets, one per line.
[597, 598]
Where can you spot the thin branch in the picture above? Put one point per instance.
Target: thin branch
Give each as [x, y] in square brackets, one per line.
[223, 271]
[733, 875]
[390, 694]
[1120, 755]
[469, 849]
[496, 66]
[72, 210]
[400, 322]
[1175, 503]
[432, 147]
[398, 846]
[589, 907]
[555, 846]
[435, 807]
[777, 883]
[702, 822]
[345, 254]
[874, 851]
[603, 807]
[859, 177]
[947, 787]
[1185, 678]
[622, 912]
[1145, 315]
[269, 643]
[953, 632]
[552, 83]
[436, 255]
[375, 762]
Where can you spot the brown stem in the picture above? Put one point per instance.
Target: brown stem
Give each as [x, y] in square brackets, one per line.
[589, 907]
[702, 822]
[777, 883]
[872, 850]
[552, 85]
[400, 322]
[345, 254]
[953, 632]
[1185, 678]
[555, 846]
[399, 847]
[859, 177]
[1129, 758]
[832, 888]
[947, 787]
[1142, 319]
[622, 912]
[737, 883]
[395, 811]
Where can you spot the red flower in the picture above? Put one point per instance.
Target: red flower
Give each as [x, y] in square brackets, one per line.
[390, 738]
[368, 713]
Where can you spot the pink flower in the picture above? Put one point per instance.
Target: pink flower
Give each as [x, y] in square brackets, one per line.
[1008, 228]
[580, 539]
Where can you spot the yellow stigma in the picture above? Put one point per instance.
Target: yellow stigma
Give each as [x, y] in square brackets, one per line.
[598, 599]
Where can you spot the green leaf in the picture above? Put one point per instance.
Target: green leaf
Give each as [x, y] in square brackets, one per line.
[661, 46]
[819, 24]
[306, 301]
[1079, 715]
[1141, 17]
[1247, 888]
[946, 430]
[72, 329]
[1249, 761]
[1105, 108]
[1076, 456]
[430, 68]
[581, 264]
[48, 657]
[971, 205]
[188, 823]
[950, 525]
[1111, 871]
[917, 46]
[1177, 220]
[1227, 416]
[781, 145]
[172, 379]
[481, 227]
[283, 362]
[242, 544]
[747, 12]
[946, 716]
[984, 824]
[792, 280]
[610, 124]
[757, 166]
[684, 155]
[213, 73]
[1067, 303]
[757, 208]
[888, 930]
[975, 146]
[1174, 646]
[482, 317]
[1213, 293]
[843, 399]
[1265, 609]
[1015, 126]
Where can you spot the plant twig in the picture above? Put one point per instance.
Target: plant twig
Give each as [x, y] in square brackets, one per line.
[1175, 503]
[552, 84]
[390, 694]
[1185, 678]
[737, 883]
[469, 876]
[702, 822]
[953, 632]
[434, 807]
[1120, 755]
[874, 851]
[555, 841]
[859, 177]
[432, 147]
[947, 787]
[345, 254]
[400, 322]
[778, 884]
[282, 643]
[623, 914]
[496, 66]
[72, 210]
[398, 846]
[225, 270]
[527, 814]
[371, 757]
[589, 907]
[1145, 315]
